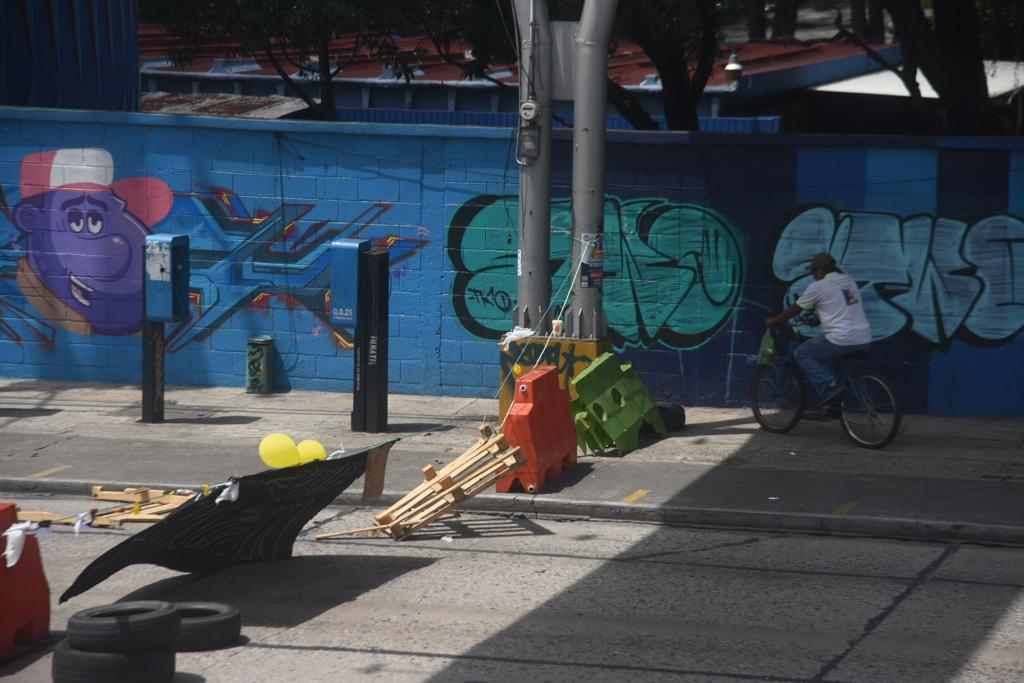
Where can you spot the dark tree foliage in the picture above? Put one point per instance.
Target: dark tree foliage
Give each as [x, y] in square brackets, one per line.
[757, 20]
[784, 19]
[681, 39]
[947, 49]
[292, 35]
[1001, 24]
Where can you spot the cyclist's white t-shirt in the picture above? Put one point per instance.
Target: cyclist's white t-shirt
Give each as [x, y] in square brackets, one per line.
[837, 302]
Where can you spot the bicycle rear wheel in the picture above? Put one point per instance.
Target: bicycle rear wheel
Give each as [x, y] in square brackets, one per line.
[777, 397]
[870, 411]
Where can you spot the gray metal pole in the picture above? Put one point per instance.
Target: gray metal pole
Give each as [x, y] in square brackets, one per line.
[534, 157]
[586, 319]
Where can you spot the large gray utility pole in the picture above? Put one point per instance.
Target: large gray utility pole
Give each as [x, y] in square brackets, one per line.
[534, 157]
[586, 319]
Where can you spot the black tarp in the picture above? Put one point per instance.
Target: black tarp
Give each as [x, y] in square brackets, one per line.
[262, 524]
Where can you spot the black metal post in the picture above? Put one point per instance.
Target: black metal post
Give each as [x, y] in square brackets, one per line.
[379, 281]
[152, 371]
[359, 368]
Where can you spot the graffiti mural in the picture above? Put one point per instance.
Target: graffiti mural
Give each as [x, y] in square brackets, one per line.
[240, 259]
[72, 255]
[927, 275]
[673, 273]
[566, 355]
[82, 235]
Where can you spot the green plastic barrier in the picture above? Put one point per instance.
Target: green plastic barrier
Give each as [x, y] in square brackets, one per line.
[612, 406]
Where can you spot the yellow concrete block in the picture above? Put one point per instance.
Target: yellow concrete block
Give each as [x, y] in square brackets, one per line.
[569, 355]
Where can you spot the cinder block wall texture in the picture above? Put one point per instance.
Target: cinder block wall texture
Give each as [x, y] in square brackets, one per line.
[704, 236]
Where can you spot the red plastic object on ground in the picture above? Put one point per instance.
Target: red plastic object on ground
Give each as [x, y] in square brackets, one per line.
[24, 593]
[539, 423]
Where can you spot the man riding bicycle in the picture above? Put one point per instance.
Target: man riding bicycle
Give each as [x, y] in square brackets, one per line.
[835, 299]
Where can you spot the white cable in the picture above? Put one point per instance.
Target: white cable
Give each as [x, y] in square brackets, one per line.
[540, 356]
[569, 279]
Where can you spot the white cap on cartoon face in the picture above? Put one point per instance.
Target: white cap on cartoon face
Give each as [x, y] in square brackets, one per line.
[74, 166]
[91, 168]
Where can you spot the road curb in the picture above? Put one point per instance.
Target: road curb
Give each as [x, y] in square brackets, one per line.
[720, 518]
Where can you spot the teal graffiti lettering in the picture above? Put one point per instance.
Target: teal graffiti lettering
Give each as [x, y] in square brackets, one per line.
[673, 273]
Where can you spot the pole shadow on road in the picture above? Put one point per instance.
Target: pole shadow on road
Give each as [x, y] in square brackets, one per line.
[760, 605]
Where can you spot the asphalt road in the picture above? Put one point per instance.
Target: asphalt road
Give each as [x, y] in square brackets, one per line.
[493, 598]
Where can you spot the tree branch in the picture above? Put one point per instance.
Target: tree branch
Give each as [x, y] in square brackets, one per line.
[324, 72]
[291, 84]
[630, 108]
[351, 57]
[708, 49]
[908, 77]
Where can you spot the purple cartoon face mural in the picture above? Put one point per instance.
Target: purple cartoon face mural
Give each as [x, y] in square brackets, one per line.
[84, 239]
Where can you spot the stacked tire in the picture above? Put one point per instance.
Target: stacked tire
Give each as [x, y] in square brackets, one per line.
[132, 641]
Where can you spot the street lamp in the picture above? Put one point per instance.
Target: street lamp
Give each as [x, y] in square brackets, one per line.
[734, 69]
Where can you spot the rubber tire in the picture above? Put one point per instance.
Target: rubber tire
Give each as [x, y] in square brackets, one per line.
[798, 411]
[81, 666]
[207, 626]
[897, 413]
[125, 627]
[674, 417]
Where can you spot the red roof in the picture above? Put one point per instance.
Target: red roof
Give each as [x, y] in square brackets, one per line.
[629, 65]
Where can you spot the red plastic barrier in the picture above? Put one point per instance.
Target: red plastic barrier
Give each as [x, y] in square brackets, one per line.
[24, 593]
[540, 424]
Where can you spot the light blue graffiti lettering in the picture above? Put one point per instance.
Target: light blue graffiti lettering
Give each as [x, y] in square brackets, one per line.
[931, 276]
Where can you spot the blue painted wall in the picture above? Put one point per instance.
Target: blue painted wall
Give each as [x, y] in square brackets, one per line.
[705, 234]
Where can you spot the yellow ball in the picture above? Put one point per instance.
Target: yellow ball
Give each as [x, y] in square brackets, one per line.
[278, 450]
[310, 450]
[517, 370]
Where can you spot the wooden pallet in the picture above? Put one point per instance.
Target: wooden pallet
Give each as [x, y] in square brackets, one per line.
[489, 459]
[146, 505]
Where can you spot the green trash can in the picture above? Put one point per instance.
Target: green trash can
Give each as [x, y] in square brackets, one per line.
[259, 377]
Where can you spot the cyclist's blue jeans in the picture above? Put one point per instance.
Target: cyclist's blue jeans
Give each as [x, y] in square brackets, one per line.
[816, 355]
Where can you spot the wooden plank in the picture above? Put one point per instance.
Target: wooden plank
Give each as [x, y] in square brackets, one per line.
[169, 502]
[407, 502]
[455, 496]
[427, 489]
[456, 467]
[34, 516]
[435, 505]
[63, 520]
[441, 483]
[510, 461]
[140, 518]
[127, 495]
[442, 490]
[349, 532]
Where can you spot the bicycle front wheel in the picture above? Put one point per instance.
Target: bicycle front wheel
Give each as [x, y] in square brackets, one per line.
[870, 411]
[777, 397]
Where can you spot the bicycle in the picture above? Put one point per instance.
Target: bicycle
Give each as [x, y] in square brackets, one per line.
[869, 410]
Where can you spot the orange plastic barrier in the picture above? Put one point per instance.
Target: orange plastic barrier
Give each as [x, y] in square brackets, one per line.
[24, 593]
[539, 423]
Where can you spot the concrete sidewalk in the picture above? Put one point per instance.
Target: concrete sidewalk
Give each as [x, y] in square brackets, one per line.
[942, 479]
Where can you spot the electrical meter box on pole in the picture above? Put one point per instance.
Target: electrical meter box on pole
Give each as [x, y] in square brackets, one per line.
[165, 289]
[166, 277]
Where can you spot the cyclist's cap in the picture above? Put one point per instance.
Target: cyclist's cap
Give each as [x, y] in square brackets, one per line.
[822, 261]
